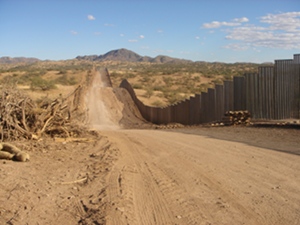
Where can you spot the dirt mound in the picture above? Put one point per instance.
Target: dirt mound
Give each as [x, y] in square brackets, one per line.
[110, 108]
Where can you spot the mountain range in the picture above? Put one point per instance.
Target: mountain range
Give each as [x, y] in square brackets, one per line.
[122, 55]
[9, 60]
[125, 55]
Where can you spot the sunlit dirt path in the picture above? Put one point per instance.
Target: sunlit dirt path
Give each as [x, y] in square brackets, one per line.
[164, 177]
[142, 176]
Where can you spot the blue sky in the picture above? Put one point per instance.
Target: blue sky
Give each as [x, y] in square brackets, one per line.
[210, 30]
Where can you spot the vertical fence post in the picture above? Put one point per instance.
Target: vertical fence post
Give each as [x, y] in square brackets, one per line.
[228, 95]
[272, 93]
[283, 88]
[204, 110]
[296, 72]
[219, 101]
[192, 105]
[266, 91]
[250, 93]
[194, 110]
[211, 113]
[198, 108]
[239, 93]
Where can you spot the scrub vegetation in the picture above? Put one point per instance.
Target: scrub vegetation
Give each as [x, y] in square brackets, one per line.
[156, 84]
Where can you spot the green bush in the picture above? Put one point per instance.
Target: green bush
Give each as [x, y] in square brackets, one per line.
[9, 81]
[39, 83]
[174, 97]
[63, 71]
[137, 86]
[65, 80]
[157, 103]
[217, 81]
[149, 92]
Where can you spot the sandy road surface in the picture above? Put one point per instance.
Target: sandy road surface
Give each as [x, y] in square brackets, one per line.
[174, 178]
[142, 177]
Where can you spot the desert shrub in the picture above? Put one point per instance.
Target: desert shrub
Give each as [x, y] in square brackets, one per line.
[203, 88]
[129, 75]
[39, 83]
[28, 77]
[115, 74]
[209, 74]
[10, 81]
[158, 88]
[157, 103]
[174, 97]
[137, 86]
[182, 89]
[63, 71]
[160, 95]
[145, 79]
[149, 92]
[217, 81]
[168, 80]
[65, 80]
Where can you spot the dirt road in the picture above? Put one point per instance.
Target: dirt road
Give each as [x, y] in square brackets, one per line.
[173, 178]
[146, 176]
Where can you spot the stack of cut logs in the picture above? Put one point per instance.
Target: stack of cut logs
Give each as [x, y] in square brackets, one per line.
[236, 118]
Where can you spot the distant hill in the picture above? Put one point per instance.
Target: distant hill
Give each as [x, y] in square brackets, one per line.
[125, 55]
[9, 60]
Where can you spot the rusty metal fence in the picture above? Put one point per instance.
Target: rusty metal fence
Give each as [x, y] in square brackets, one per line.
[273, 93]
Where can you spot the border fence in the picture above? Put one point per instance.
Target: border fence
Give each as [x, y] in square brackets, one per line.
[271, 94]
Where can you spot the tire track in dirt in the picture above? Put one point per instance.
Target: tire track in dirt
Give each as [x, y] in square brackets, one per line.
[92, 204]
[135, 199]
[173, 178]
[197, 195]
[188, 179]
[168, 200]
[110, 108]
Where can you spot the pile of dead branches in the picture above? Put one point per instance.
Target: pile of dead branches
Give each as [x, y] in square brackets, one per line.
[21, 117]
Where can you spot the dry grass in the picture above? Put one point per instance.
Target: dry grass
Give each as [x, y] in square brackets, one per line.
[61, 90]
[155, 84]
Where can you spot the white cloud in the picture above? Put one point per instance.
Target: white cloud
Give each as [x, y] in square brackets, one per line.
[132, 40]
[197, 37]
[275, 31]
[217, 24]
[122, 35]
[142, 36]
[73, 32]
[289, 21]
[281, 30]
[241, 20]
[97, 33]
[160, 31]
[91, 17]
